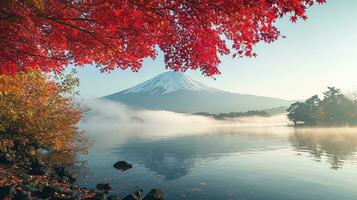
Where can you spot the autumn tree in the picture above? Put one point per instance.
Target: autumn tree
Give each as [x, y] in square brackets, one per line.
[36, 112]
[48, 35]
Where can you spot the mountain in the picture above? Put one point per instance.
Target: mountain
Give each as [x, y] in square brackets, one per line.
[168, 82]
[177, 92]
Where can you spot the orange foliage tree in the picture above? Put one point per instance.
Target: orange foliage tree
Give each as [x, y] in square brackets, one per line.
[37, 112]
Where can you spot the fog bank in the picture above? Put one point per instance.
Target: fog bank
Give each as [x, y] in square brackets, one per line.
[108, 115]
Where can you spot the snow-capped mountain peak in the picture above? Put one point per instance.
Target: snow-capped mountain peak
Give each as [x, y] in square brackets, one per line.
[174, 91]
[168, 82]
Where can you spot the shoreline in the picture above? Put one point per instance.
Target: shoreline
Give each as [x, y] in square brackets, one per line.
[31, 179]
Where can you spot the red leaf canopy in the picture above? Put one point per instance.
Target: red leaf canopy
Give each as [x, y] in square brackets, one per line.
[48, 35]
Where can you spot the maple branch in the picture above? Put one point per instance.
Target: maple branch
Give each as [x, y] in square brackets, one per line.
[90, 33]
[35, 55]
[66, 24]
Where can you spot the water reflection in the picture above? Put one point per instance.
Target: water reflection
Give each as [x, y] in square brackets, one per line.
[173, 158]
[334, 145]
[228, 163]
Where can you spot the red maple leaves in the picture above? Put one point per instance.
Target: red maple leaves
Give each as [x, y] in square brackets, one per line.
[52, 34]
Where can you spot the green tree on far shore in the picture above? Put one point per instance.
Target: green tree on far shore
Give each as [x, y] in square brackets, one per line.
[334, 109]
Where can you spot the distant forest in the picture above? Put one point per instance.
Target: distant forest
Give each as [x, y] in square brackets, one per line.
[334, 109]
[231, 115]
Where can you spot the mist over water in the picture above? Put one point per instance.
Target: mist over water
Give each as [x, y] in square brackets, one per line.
[114, 115]
[199, 158]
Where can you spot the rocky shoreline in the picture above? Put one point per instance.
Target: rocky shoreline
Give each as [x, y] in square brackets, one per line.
[30, 179]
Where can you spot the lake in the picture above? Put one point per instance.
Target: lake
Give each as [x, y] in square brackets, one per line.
[232, 163]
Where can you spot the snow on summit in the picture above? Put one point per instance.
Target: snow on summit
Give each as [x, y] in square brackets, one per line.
[168, 82]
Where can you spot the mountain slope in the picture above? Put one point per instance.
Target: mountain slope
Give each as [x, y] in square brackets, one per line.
[176, 92]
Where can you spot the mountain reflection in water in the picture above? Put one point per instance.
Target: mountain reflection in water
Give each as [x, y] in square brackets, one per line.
[247, 163]
[175, 157]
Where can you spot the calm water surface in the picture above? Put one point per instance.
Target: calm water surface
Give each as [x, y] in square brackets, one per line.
[231, 163]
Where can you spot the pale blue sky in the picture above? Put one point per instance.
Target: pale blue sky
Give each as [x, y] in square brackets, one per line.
[317, 53]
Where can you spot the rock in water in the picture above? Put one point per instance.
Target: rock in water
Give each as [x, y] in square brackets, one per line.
[113, 197]
[155, 194]
[135, 196]
[99, 196]
[122, 165]
[104, 186]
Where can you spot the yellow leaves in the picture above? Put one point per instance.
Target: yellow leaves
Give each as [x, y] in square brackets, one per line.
[38, 4]
[32, 152]
[34, 110]
[2, 128]
[6, 143]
